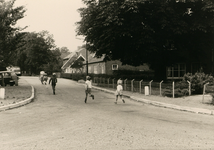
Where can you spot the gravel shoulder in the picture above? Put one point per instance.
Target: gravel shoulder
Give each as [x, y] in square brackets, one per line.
[14, 94]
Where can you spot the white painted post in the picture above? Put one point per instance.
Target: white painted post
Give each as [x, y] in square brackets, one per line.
[150, 87]
[146, 90]
[189, 87]
[108, 81]
[173, 89]
[204, 91]
[132, 85]
[160, 87]
[2, 93]
[140, 85]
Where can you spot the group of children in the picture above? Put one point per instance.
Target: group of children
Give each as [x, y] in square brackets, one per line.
[88, 86]
[118, 92]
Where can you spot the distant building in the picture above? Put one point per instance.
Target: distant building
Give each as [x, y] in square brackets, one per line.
[95, 65]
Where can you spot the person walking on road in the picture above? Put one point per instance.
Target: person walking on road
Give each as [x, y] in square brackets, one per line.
[119, 91]
[88, 87]
[53, 81]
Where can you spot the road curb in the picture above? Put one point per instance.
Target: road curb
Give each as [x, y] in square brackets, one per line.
[18, 104]
[165, 105]
[172, 106]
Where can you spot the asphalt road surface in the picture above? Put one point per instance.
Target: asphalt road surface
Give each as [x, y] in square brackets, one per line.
[64, 122]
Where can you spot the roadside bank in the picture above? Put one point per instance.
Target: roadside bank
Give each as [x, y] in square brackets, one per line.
[16, 96]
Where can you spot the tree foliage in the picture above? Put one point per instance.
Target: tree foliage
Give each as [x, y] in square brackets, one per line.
[157, 32]
[31, 51]
[55, 63]
[198, 80]
[8, 32]
[36, 52]
[64, 52]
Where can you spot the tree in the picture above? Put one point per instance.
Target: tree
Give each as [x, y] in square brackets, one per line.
[64, 52]
[36, 52]
[78, 66]
[8, 32]
[148, 31]
[49, 39]
[55, 63]
[33, 52]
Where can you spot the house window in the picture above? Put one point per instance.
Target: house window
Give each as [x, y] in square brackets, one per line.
[114, 67]
[176, 71]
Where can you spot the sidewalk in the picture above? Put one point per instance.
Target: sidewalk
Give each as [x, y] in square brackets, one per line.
[194, 104]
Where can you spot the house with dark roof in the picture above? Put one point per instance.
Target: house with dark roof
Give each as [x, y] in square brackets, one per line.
[95, 65]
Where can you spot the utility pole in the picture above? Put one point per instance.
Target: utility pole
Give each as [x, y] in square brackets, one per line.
[86, 58]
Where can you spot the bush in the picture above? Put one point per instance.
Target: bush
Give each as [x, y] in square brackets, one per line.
[197, 81]
[181, 89]
[130, 74]
[178, 93]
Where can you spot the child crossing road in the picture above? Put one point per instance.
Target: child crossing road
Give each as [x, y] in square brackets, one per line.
[88, 87]
[53, 81]
[119, 91]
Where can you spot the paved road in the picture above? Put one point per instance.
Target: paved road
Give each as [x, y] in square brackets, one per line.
[64, 122]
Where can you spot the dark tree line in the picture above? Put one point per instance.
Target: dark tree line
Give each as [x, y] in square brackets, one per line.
[8, 32]
[157, 32]
[36, 52]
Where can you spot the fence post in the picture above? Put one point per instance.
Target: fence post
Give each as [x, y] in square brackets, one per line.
[108, 82]
[204, 91]
[160, 87]
[189, 87]
[125, 84]
[173, 89]
[113, 83]
[132, 86]
[150, 87]
[140, 85]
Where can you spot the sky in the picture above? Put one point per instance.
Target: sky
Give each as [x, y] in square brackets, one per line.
[58, 17]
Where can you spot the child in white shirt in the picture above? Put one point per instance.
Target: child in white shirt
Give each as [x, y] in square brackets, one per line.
[88, 87]
[119, 91]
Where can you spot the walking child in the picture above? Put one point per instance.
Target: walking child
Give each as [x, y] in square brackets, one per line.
[119, 91]
[88, 87]
[53, 81]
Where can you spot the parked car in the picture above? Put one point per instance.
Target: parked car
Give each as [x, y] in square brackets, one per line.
[9, 78]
